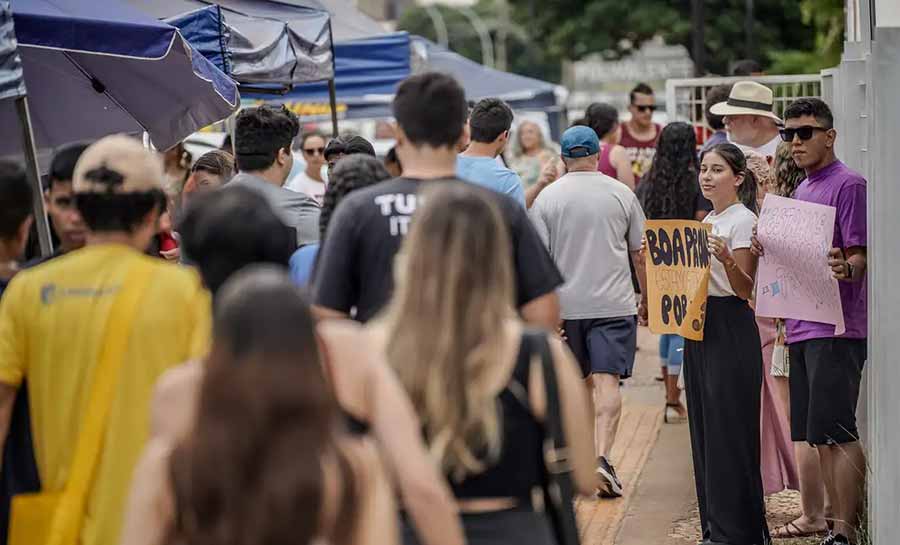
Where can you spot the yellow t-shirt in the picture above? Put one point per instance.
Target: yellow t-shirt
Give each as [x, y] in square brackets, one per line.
[52, 326]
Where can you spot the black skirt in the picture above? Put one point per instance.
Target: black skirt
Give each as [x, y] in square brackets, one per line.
[723, 382]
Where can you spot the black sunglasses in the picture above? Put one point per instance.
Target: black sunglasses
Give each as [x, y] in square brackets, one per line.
[805, 133]
[311, 151]
[650, 108]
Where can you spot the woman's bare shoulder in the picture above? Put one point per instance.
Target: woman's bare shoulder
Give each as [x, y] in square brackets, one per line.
[174, 399]
[347, 340]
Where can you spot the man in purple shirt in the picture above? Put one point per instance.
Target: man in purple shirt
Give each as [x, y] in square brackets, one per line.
[826, 369]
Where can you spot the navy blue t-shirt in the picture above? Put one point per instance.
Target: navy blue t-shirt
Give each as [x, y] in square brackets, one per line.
[355, 268]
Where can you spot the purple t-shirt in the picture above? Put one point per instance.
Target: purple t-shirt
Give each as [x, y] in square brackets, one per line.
[838, 186]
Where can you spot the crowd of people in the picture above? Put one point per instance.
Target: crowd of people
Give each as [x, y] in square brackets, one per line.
[426, 349]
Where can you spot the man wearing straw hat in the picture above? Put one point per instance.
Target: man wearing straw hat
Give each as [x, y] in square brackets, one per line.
[749, 119]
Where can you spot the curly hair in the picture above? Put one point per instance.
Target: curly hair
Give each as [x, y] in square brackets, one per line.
[787, 174]
[351, 173]
[670, 188]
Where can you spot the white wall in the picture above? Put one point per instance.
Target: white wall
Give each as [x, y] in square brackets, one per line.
[884, 294]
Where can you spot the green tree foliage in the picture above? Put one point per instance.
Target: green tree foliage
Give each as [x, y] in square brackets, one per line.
[526, 55]
[827, 18]
[573, 28]
[789, 36]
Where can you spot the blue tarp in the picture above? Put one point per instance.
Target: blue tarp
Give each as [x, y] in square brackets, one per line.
[364, 98]
[479, 81]
[208, 34]
[101, 67]
[260, 41]
[371, 66]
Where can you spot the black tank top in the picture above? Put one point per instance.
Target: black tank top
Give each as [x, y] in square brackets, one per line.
[519, 468]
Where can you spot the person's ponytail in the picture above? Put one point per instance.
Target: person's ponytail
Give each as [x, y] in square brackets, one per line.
[746, 192]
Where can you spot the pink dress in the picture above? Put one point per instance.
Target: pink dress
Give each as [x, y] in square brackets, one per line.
[779, 469]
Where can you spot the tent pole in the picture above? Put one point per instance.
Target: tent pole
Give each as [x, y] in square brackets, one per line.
[34, 175]
[332, 99]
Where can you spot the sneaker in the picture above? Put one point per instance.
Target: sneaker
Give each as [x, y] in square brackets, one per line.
[610, 486]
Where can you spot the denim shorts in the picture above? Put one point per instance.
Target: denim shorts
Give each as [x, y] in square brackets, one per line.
[671, 352]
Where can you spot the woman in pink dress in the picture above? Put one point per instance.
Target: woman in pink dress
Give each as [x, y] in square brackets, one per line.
[779, 469]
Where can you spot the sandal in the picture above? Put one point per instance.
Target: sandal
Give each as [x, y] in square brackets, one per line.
[674, 416]
[792, 531]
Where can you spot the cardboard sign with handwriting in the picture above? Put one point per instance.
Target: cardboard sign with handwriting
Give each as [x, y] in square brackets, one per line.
[794, 279]
[678, 257]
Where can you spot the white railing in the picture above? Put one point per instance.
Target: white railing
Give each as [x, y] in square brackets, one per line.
[686, 98]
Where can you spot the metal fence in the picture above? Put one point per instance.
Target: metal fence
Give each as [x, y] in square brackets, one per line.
[686, 98]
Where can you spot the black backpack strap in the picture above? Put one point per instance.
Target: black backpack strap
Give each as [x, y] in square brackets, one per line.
[555, 446]
[558, 488]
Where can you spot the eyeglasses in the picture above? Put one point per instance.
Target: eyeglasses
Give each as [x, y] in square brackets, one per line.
[805, 133]
[650, 108]
[313, 151]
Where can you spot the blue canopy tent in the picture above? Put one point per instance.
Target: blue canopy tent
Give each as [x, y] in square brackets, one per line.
[12, 89]
[372, 99]
[245, 37]
[366, 70]
[97, 68]
[254, 41]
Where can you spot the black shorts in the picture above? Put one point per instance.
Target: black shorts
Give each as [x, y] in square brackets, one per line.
[825, 377]
[603, 345]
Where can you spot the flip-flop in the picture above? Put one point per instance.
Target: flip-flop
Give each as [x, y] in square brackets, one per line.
[792, 531]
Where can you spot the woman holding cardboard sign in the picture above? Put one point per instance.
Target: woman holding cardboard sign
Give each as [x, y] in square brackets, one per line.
[723, 372]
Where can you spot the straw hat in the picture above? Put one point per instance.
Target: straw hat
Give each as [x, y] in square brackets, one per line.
[747, 98]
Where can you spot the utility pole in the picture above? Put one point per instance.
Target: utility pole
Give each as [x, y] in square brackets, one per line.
[440, 27]
[503, 22]
[484, 35]
[698, 49]
[748, 31]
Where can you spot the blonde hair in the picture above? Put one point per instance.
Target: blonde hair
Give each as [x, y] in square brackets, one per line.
[517, 143]
[454, 291]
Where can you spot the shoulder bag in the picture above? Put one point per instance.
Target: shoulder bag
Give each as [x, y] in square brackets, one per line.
[56, 518]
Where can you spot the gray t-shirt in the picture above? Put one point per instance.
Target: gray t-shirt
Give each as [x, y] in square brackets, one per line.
[589, 223]
[295, 209]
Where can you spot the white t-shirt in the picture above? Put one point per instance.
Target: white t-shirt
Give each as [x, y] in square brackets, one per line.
[735, 225]
[302, 183]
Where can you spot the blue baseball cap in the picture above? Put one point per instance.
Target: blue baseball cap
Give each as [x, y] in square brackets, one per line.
[579, 141]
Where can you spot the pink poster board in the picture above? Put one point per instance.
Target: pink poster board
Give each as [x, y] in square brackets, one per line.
[793, 278]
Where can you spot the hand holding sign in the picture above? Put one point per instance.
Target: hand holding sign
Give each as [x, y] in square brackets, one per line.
[719, 248]
[677, 256]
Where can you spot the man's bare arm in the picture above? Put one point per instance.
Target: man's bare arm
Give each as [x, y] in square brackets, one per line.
[7, 401]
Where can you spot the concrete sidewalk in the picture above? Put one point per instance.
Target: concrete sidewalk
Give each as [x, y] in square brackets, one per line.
[642, 413]
[659, 506]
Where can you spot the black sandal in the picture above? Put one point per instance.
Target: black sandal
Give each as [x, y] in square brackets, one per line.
[791, 531]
